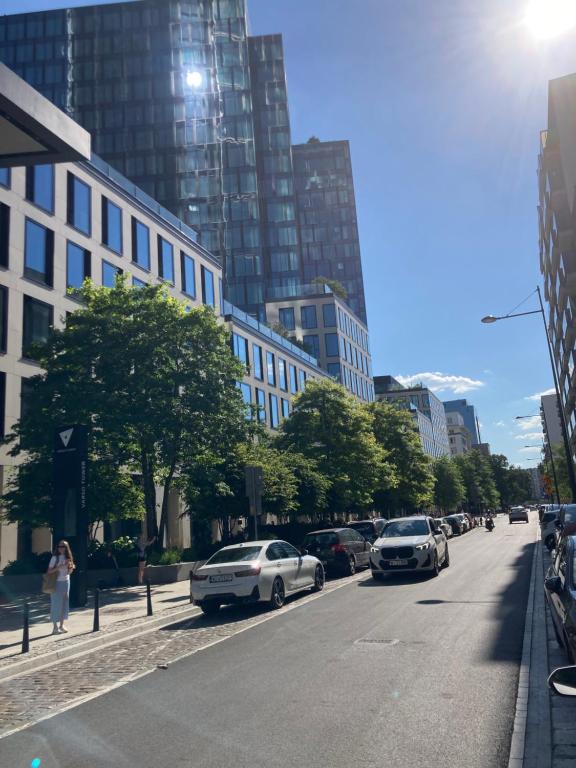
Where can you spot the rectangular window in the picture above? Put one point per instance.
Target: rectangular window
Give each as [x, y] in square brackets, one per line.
[285, 408]
[308, 317]
[4, 177]
[302, 377]
[293, 379]
[207, 287]
[165, 260]
[246, 391]
[109, 274]
[78, 266]
[40, 186]
[261, 403]
[329, 315]
[137, 283]
[286, 318]
[3, 318]
[37, 323]
[331, 342]
[334, 370]
[140, 244]
[39, 253]
[111, 225]
[312, 344]
[4, 235]
[274, 416]
[257, 362]
[79, 214]
[187, 268]
[282, 376]
[270, 369]
[240, 348]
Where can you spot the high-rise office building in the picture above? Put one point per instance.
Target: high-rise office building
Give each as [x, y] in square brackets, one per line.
[468, 413]
[557, 211]
[327, 214]
[181, 100]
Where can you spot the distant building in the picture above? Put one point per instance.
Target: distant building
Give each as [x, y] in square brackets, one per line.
[550, 420]
[484, 448]
[536, 481]
[424, 401]
[468, 413]
[458, 434]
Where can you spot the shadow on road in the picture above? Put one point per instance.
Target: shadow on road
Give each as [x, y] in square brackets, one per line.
[395, 579]
[457, 602]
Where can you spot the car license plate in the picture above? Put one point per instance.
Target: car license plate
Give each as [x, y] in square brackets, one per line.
[219, 579]
[397, 562]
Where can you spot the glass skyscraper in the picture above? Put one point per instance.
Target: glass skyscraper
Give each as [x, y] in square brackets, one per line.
[180, 99]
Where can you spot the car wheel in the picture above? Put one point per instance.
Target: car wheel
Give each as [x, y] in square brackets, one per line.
[377, 576]
[446, 563]
[350, 568]
[210, 607]
[436, 566]
[319, 579]
[278, 597]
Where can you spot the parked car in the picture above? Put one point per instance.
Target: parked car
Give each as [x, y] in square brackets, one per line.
[567, 518]
[456, 524]
[446, 527]
[341, 550]
[465, 521]
[410, 544]
[370, 529]
[548, 528]
[265, 571]
[560, 584]
[517, 514]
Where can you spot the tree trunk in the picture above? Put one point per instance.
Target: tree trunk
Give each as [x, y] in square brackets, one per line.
[149, 494]
[165, 501]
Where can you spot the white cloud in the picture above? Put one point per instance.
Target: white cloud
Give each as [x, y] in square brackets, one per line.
[442, 382]
[530, 424]
[529, 436]
[530, 449]
[536, 397]
[500, 423]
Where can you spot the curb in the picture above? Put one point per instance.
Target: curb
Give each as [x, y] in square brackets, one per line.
[518, 743]
[99, 641]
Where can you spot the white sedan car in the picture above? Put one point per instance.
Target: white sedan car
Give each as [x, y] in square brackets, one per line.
[266, 571]
[409, 544]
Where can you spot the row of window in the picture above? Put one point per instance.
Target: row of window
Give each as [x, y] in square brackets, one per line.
[308, 317]
[268, 413]
[37, 320]
[312, 344]
[39, 241]
[39, 259]
[353, 356]
[352, 329]
[284, 375]
[356, 384]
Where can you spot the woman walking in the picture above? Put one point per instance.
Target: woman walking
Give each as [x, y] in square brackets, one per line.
[141, 546]
[61, 563]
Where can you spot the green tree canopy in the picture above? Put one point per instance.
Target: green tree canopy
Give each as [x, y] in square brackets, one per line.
[449, 490]
[330, 428]
[476, 472]
[413, 483]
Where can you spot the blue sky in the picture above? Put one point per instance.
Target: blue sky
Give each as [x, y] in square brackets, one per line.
[442, 101]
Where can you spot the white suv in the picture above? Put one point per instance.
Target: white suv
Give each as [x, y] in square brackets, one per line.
[409, 544]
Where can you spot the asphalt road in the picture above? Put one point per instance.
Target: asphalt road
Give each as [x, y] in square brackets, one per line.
[407, 672]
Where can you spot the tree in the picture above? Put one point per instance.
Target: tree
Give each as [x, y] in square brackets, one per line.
[153, 379]
[397, 435]
[476, 472]
[449, 490]
[513, 483]
[562, 473]
[335, 286]
[330, 428]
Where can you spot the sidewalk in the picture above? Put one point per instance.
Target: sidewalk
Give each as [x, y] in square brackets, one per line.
[122, 612]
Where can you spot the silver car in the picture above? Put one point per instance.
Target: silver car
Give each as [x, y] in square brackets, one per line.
[257, 571]
[446, 527]
[548, 527]
[410, 544]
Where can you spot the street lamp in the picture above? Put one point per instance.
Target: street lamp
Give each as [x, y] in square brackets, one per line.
[569, 461]
[543, 415]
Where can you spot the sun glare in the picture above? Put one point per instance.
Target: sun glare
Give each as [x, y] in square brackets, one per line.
[549, 18]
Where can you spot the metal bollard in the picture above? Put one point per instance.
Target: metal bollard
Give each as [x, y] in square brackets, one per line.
[148, 599]
[26, 628]
[96, 625]
[191, 598]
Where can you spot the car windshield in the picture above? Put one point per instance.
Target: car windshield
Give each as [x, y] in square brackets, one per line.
[549, 516]
[320, 539]
[366, 529]
[406, 528]
[234, 555]
[570, 513]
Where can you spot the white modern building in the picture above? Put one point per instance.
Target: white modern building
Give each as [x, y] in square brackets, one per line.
[458, 434]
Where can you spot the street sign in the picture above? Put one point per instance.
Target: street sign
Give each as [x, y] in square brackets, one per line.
[70, 474]
[254, 485]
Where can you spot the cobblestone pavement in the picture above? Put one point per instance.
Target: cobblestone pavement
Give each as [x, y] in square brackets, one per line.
[563, 710]
[30, 697]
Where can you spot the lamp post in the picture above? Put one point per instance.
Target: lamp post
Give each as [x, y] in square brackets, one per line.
[543, 414]
[567, 451]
